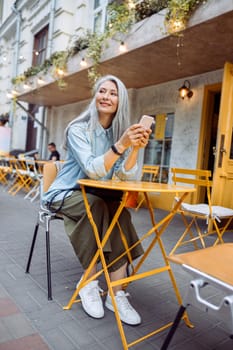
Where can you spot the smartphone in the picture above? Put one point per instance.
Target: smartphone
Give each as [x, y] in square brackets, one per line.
[146, 121]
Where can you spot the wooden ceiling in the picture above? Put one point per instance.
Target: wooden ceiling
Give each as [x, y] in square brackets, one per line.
[207, 46]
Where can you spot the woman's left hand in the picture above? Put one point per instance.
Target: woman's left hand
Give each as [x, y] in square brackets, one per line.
[143, 140]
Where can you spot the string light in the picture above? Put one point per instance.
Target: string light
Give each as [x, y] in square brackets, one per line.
[40, 81]
[83, 62]
[9, 95]
[122, 47]
[179, 46]
[26, 86]
[12, 94]
[131, 4]
[60, 72]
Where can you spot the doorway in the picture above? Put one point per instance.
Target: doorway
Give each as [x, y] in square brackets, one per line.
[213, 125]
[209, 132]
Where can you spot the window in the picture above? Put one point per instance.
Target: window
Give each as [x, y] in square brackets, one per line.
[40, 46]
[158, 150]
[99, 15]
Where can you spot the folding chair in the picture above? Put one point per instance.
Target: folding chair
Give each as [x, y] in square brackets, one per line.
[212, 214]
[45, 216]
[5, 171]
[36, 178]
[22, 179]
[149, 173]
[207, 274]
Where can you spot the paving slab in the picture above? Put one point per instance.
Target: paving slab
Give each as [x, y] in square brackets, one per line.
[29, 321]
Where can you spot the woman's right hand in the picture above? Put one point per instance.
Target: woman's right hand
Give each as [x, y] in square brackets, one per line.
[135, 136]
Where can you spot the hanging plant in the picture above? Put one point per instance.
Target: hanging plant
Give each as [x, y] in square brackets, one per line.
[120, 20]
[120, 17]
[18, 80]
[179, 12]
[59, 63]
[94, 52]
[79, 44]
[32, 71]
[147, 8]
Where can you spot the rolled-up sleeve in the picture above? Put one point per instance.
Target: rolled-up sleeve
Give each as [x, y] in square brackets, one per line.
[123, 174]
[80, 144]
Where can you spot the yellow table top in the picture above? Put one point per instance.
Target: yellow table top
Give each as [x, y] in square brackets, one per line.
[215, 261]
[139, 186]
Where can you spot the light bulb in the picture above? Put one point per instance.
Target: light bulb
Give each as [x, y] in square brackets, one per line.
[83, 62]
[122, 47]
[60, 72]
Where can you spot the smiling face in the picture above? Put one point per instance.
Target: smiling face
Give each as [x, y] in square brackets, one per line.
[107, 102]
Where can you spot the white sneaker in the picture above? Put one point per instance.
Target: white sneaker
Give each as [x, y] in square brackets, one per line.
[127, 313]
[91, 299]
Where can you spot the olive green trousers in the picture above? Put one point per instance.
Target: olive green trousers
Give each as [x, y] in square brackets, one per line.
[81, 234]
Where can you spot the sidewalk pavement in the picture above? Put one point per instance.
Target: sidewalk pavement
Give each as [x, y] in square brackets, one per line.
[28, 321]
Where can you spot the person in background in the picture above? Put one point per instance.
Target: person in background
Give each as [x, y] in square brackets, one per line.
[54, 154]
[100, 144]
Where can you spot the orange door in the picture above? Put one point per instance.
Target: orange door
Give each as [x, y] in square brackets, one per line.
[222, 191]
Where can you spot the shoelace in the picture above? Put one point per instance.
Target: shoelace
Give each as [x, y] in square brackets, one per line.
[93, 293]
[123, 301]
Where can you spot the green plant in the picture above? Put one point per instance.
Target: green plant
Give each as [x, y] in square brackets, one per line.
[79, 44]
[122, 15]
[94, 52]
[59, 62]
[120, 18]
[18, 80]
[179, 12]
[147, 8]
[32, 71]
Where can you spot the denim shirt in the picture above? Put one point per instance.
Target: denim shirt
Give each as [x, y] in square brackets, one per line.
[85, 159]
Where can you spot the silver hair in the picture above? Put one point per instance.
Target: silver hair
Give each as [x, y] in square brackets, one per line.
[120, 122]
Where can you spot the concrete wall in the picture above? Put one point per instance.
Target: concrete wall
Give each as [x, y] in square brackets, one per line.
[156, 99]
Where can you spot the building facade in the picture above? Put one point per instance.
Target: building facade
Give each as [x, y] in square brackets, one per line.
[154, 66]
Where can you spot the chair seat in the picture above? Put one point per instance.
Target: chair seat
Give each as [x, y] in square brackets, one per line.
[218, 212]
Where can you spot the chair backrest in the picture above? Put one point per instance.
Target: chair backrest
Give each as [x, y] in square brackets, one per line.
[196, 177]
[50, 171]
[151, 170]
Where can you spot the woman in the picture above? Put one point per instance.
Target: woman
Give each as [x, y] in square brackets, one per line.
[100, 144]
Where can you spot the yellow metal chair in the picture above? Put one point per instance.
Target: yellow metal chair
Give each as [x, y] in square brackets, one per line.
[45, 216]
[212, 214]
[22, 180]
[5, 170]
[210, 268]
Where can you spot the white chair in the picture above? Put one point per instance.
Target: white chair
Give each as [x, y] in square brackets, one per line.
[213, 215]
[36, 178]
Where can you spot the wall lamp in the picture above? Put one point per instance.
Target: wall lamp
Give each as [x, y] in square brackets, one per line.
[185, 90]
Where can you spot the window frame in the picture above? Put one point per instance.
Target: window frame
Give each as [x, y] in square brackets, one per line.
[102, 10]
[162, 147]
[40, 45]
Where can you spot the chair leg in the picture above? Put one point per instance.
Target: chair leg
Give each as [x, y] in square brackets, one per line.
[48, 265]
[32, 247]
[173, 328]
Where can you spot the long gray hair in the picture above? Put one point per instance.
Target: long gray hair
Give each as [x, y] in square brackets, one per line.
[121, 120]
